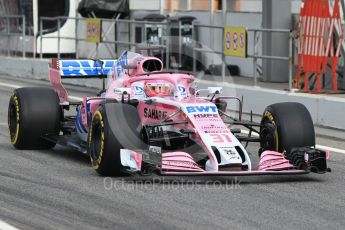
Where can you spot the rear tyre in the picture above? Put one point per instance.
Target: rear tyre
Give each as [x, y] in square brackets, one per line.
[114, 127]
[285, 126]
[32, 113]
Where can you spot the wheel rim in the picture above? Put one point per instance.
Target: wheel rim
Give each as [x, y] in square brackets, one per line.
[96, 137]
[13, 121]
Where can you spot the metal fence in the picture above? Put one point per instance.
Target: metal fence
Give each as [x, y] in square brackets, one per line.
[255, 56]
[114, 23]
[210, 49]
[113, 44]
[12, 34]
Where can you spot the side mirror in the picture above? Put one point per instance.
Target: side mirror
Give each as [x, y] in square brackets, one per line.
[215, 90]
[192, 91]
[123, 90]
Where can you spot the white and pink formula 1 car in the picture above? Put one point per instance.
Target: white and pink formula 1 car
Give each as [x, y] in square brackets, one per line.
[148, 121]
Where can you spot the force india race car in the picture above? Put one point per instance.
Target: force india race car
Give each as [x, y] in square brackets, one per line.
[150, 121]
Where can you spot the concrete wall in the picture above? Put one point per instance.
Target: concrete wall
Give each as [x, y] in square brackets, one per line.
[326, 110]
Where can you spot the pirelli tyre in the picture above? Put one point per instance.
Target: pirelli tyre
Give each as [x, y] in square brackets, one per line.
[285, 126]
[32, 113]
[114, 126]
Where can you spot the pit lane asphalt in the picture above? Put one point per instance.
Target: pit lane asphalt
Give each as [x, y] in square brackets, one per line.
[57, 189]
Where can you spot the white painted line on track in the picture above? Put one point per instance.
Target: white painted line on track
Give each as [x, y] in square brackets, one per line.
[6, 226]
[326, 148]
[9, 85]
[322, 147]
[331, 149]
[75, 98]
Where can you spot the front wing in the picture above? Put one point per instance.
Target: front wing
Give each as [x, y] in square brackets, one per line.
[182, 164]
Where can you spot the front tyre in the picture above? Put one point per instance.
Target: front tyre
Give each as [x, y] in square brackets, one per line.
[114, 127]
[285, 126]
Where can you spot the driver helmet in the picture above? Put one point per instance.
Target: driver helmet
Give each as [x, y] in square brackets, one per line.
[158, 88]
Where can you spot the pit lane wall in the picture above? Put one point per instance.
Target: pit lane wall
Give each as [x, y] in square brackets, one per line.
[326, 110]
[38, 69]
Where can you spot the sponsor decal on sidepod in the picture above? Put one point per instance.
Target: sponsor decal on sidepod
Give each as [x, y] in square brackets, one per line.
[154, 114]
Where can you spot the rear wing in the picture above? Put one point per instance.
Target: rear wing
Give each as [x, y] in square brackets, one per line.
[76, 69]
[82, 68]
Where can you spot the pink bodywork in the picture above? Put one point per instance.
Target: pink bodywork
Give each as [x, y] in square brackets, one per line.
[173, 163]
[180, 163]
[271, 160]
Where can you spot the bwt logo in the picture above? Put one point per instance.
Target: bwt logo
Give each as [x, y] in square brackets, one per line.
[85, 67]
[202, 109]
